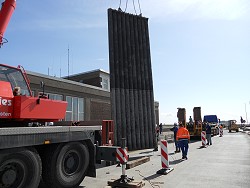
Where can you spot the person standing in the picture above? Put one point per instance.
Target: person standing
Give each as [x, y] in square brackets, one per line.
[183, 138]
[190, 120]
[221, 130]
[175, 129]
[241, 120]
[160, 127]
[208, 134]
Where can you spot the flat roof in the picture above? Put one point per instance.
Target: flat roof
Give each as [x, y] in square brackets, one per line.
[64, 80]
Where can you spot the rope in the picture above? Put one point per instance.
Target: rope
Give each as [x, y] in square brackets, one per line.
[134, 7]
[139, 6]
[126, 6]
[151, 183]
[120, 2]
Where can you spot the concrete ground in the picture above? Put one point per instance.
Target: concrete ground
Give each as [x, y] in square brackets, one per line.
[224, 164]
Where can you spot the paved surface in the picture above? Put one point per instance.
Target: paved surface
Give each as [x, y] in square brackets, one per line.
[224, 164]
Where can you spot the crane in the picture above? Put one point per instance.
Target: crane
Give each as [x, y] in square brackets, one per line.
[6, 11]
[60, 156]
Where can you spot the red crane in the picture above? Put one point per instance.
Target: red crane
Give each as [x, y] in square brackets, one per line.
[8, 7]
[16, 102]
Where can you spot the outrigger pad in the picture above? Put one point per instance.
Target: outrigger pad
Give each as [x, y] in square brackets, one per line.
[164, 171]
[127, 182]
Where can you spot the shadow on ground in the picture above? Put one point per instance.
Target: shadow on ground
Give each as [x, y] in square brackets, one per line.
[175, 162]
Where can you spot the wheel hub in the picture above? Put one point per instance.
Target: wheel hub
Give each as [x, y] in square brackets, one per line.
[71, 163]
[9, 175]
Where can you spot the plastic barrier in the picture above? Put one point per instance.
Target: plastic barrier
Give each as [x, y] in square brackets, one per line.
[203, 138]
[164, 159]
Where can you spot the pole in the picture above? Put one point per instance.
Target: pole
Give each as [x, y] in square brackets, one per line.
[124, 164]
[246, 112]
[68, 61]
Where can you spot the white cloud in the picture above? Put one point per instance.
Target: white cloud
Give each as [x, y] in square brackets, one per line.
[167, 118]
[169, 10]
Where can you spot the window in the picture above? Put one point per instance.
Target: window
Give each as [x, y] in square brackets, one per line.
[105, 84]
[75, 109]
[16, 79]
[55, 97]
[69, 109]
[81, 109]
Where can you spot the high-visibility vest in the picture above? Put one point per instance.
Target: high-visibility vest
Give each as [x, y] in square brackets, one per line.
[182, 133]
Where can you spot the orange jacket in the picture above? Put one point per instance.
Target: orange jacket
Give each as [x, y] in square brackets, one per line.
[182, 133]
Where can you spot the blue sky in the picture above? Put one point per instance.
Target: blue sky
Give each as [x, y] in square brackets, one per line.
[200, 49]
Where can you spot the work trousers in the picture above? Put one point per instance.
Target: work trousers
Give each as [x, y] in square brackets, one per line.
[184, 147]
[209, 140]
[177, 147]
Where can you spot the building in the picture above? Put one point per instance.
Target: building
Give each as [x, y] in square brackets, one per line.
[97, 77]
[85, 102]
[87, 94]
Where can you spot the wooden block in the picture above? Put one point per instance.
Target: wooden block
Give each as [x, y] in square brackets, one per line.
[134, 163]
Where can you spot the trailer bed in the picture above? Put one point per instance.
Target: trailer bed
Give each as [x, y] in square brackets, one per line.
[30, 136]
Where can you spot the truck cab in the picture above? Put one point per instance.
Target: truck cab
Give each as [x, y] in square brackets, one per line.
[213, 122]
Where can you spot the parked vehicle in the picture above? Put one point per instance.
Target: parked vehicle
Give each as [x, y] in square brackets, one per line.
[213, 121]
[232, 126]
[196, 126]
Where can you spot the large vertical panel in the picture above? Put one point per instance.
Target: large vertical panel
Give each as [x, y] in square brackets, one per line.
[131, 80]
[131, 101]
[150, 96]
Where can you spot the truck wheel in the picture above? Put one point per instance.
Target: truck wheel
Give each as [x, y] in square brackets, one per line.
[21, 169]
[66, 165]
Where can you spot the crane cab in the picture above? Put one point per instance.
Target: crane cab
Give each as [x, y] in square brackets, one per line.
[21, 106]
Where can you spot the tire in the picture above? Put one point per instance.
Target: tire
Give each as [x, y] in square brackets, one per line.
[65, 165]
[20, 169]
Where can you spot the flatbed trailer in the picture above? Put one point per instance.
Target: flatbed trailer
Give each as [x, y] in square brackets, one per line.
[60, 156]
[31, 136]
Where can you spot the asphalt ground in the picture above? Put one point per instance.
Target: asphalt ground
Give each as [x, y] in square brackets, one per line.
[226, 163]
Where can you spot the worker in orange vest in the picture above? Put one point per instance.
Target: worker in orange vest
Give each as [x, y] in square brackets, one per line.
[183, 138]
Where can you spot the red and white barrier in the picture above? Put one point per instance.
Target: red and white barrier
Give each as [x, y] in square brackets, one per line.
[164, 154]
[203, 138]
[121, 155]
[164, 158]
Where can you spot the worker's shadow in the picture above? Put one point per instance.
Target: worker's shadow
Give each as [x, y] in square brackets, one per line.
[202, 147]
[171, 153]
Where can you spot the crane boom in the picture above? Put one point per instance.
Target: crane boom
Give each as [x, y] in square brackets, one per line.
[8, 7]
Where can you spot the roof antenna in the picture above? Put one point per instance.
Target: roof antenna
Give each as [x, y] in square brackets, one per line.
[68, 61]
